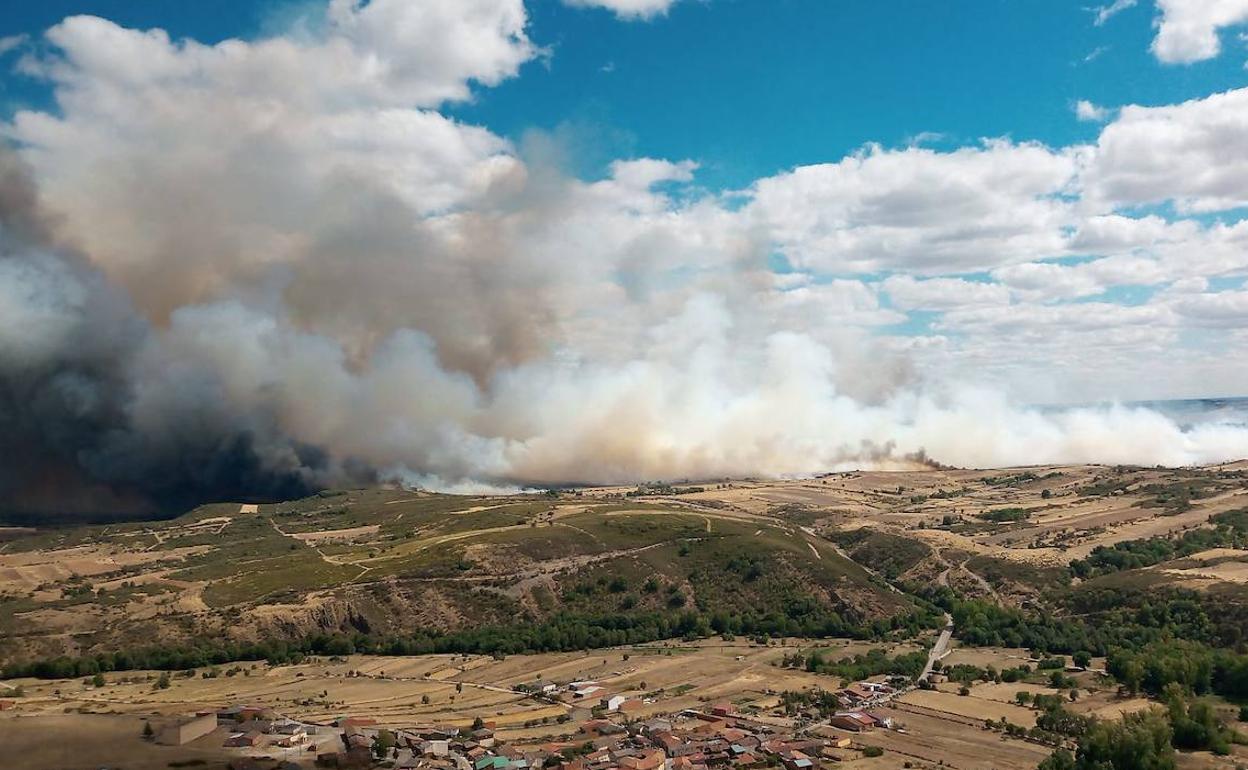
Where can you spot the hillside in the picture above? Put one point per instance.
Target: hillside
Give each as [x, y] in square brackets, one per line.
[391, 563]
[405, 571]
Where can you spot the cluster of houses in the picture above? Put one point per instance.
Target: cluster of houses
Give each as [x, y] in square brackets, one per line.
[715, 739]
[255, 727]
[615, 738]
[586, 692]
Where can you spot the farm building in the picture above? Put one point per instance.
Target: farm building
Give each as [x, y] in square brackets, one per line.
[187, 729]
[854, 721]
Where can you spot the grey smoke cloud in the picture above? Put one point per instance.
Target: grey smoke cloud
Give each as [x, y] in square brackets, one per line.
[235, 280]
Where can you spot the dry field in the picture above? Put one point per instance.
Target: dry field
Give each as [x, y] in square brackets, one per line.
[932, 738]
[392, 689]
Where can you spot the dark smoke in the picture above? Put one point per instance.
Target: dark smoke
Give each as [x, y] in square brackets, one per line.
[67, 357]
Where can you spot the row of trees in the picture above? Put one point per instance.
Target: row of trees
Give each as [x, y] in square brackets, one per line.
[1230, 530]
[1191, 665]
[859, 666]
[560, 633]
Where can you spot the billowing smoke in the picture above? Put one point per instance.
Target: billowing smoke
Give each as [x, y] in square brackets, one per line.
[97, 415]
[251, 270]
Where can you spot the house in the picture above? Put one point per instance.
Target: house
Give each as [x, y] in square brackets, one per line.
[854, 721]
[647, 759]
[880, 721]
[656, 725]
[723, 710]
[798, 761]
[186, 730]
[291, 740]
[630, 707]
[349, 722]
[6, 705]
[613, 702]
[438, 748]
[246, 740]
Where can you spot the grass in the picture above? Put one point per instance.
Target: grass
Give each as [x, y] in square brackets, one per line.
[299, 571]
[888, 554]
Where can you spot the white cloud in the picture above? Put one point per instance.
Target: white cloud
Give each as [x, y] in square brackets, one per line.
[627, 9]
[11, 42]
[918, 209]
[1227, 309]
[1105, 12]
[1194, 153]
[908, 293]
[1187, 30]
[1087, 111]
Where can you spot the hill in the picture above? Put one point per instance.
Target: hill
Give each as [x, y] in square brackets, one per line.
[396, 565]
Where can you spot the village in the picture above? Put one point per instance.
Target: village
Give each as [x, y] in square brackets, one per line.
[802, 734]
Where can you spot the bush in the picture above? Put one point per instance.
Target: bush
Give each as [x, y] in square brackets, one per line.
[872, 751]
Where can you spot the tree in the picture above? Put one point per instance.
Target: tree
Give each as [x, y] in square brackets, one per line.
[478, 723]
[1141, 741]
[98, 680]
[1058, 760]
[163, 682]
[1082, 659]
[1022, 697]
[148, 732]
[383, 743]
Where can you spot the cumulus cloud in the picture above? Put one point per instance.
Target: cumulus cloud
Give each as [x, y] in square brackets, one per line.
[909, 293]
[919, 209]
[1194, 154]
[1187, 30]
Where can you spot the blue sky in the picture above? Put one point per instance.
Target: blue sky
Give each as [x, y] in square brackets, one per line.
[750, 87]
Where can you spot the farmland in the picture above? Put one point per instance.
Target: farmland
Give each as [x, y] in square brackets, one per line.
[407, 607]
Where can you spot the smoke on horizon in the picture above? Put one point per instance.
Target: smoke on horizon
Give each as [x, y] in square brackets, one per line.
[220, 285]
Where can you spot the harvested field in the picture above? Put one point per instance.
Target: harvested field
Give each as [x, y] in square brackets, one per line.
[89, 742]
[961, 746]
[968, 706]
[336, 534]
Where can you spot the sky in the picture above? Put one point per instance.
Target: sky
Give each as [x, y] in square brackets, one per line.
[763, 234]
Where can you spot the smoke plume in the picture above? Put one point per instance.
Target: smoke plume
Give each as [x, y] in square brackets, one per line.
[254, 269]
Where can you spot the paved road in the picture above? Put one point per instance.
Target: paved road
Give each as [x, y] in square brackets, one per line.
[939, 649]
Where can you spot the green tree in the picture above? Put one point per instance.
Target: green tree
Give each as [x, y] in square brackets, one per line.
[98, 680]
[1058, 760]
[383, 743]
[148, 732]
[1141, 741]
[1082, 659]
